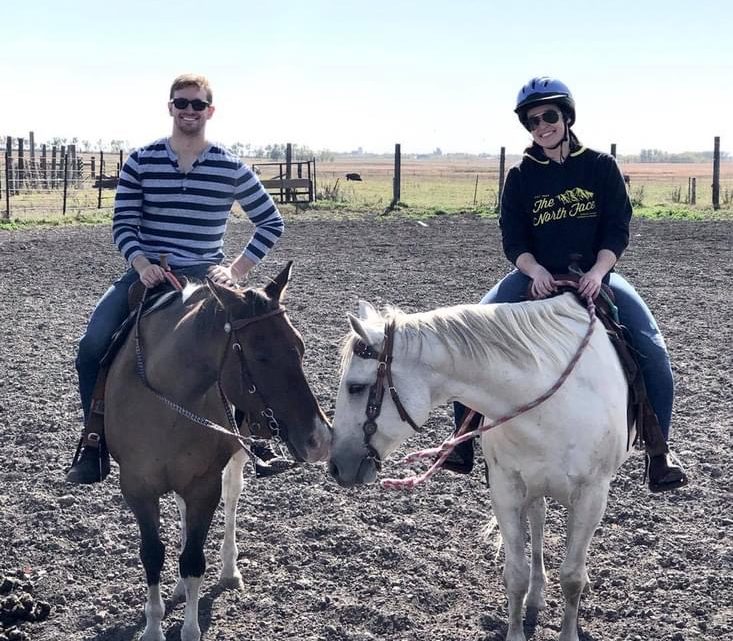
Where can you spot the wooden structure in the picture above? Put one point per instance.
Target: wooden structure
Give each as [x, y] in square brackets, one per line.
[293, 182]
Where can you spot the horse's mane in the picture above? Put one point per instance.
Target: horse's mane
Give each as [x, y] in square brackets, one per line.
[202, 304]
[528, 333]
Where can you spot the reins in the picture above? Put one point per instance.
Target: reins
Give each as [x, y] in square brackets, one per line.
[442, 452]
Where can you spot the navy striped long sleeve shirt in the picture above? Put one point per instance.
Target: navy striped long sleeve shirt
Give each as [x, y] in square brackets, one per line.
[159, 209]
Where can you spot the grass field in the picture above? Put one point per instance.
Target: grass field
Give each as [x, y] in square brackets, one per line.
[429, 186]
[464, 183]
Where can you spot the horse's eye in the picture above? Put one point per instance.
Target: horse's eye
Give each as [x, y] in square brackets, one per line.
[356, 389]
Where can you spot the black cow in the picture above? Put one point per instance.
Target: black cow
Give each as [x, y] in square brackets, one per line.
[353, 176]
[108, 182]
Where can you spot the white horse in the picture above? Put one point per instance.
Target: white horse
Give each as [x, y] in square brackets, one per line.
[495, 359]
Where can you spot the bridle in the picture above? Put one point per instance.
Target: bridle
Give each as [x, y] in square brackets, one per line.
[278, 432]
[376, 391]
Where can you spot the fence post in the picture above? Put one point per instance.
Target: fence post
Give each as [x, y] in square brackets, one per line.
[397, 180]
[99, 189]
[693, 190]
[475, 191]
[32, 167]
[288, 170]
[54, 181]
[716, 173]
[66, 180]
[315, 186]
[502, 163]
[7, 183]
[44, 166]
[613, 149]
[310, 181]
[20, 174]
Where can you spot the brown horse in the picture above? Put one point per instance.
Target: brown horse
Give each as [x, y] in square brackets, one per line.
[214, 347]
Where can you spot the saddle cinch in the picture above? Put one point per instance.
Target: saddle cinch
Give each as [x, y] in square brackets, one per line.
[639, 411]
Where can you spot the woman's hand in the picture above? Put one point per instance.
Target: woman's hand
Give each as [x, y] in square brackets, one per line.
[590, 283]
[543, 284]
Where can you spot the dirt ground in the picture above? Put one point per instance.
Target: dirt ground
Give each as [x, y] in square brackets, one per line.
[325, 564]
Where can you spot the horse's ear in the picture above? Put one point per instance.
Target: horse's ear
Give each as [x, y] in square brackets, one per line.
[223, 295]
[367, 311]
[276, 288]
[369, 334]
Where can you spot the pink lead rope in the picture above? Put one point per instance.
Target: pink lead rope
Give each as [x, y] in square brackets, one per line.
[447, 446]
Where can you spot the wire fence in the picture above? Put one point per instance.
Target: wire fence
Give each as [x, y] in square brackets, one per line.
[36, 183]
[57, 180]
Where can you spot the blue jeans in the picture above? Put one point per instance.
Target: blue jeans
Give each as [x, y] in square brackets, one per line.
[107, 316]
[644, 333]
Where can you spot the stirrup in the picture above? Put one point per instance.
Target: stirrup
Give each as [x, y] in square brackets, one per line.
[91, 462]
[672, 478]
[266, 461]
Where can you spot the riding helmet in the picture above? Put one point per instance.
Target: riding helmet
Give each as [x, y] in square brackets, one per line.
[544, 89]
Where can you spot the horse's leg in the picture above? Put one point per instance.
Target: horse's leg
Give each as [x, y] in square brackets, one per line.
[536, 511]
[201, 499]
[584, 515]
[152, 552]
[180, 590]
[230, 576]
[506, 501]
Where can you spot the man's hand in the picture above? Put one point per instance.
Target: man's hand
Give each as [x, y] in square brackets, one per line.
[222, 275]
[150, 274]
[233, 273]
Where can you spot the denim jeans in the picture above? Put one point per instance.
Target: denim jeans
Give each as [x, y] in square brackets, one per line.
[107, 316]
[644, 333]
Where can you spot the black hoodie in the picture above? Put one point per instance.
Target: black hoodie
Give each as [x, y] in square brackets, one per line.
[553, 210]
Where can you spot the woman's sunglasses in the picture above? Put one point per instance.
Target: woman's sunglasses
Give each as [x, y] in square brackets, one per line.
[182, 103]
[550, 117]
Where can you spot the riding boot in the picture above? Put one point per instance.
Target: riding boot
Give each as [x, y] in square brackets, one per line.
[267, 462]
[664, 471]
[91, 461]
[460, 459]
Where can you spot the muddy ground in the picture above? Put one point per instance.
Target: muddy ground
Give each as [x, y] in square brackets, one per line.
[327, 564]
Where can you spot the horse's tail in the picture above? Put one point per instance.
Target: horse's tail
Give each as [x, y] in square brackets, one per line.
[491, 534]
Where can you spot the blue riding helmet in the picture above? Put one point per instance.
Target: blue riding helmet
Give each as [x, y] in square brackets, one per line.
[541, 90]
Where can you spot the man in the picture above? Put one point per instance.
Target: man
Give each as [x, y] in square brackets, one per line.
[174, 197]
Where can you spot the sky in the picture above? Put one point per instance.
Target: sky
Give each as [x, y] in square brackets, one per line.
[339, 75]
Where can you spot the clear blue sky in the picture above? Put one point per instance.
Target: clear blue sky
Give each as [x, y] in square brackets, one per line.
[342, 75]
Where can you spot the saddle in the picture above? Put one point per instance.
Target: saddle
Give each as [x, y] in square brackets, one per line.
[639, 410]
[151, 301]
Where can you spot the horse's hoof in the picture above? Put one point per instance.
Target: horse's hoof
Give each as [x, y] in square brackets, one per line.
[232, 583]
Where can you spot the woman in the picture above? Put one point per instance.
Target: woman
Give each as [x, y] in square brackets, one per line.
[566, 203]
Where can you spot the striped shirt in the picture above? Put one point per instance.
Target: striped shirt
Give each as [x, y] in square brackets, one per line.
[159, 209]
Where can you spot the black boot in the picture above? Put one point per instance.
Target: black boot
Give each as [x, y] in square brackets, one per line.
[665, 473]
[268, 462]
[91, 462]
[460, 460]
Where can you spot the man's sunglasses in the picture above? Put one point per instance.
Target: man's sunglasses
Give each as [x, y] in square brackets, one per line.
[182, 103]
[550, 117]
